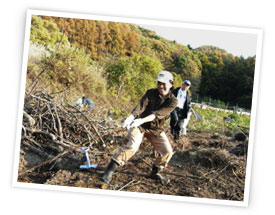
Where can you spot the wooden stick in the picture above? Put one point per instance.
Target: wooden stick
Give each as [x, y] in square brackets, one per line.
[29, 118]
[104, 145]
[48, 134]
[130, 182]
[53, 119]
[32, 141]
[59, 125]
[89, 135]
[45, 162]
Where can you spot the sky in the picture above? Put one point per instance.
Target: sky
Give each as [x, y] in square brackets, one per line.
[236, 43]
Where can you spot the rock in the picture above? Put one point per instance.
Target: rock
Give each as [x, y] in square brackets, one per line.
[240, 136]
[240, 149]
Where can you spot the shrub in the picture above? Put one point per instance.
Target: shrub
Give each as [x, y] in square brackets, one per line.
[129, 77]
[67, 68]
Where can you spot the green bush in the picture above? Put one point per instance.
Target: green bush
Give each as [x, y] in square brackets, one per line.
[67, 68]
[129, 77]
[46, 33]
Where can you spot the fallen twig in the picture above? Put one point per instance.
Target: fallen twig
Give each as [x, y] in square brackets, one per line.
[129, 183]
[45, 162]
[59, 125]
[29, 118]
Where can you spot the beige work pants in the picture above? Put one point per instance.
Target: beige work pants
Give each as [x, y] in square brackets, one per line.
[160, 143]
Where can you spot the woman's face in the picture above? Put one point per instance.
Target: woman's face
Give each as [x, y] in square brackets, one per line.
[163, 90]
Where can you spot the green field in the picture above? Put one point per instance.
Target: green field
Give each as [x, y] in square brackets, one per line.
[213, 120]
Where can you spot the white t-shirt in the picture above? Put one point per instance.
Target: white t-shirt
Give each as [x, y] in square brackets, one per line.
[181, 96]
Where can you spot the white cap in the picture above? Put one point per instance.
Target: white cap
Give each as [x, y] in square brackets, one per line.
[187, 82]
[165, 77]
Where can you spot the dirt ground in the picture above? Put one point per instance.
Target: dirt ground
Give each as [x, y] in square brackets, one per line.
[204, 164]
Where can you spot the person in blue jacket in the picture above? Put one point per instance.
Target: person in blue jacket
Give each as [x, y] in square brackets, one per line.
[84, 102]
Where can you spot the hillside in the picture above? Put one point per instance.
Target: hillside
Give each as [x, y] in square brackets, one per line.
[119, 52]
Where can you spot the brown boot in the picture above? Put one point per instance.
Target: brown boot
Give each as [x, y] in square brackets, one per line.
[157, 176]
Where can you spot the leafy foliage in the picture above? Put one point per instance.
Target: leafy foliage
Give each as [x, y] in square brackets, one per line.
[188, 66]
[227, 78]
[66, 68]
[125, 59]
[46, 33]
[130, 77]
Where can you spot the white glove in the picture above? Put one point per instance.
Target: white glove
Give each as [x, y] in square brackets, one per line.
[136, 123]
[128, 121]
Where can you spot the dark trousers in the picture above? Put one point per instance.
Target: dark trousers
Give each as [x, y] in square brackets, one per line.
[176, 121]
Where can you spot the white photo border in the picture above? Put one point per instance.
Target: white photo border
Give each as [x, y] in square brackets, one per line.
[257, 32]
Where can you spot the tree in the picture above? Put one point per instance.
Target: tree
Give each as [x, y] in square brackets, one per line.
[46, 33]
[185, 64]
[130, 77]
[116, 44]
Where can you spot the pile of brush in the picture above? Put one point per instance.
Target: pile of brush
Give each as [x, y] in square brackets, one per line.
[53, 134]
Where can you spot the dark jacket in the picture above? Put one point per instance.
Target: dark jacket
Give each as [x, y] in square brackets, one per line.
[187, 104]
[152, 103]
